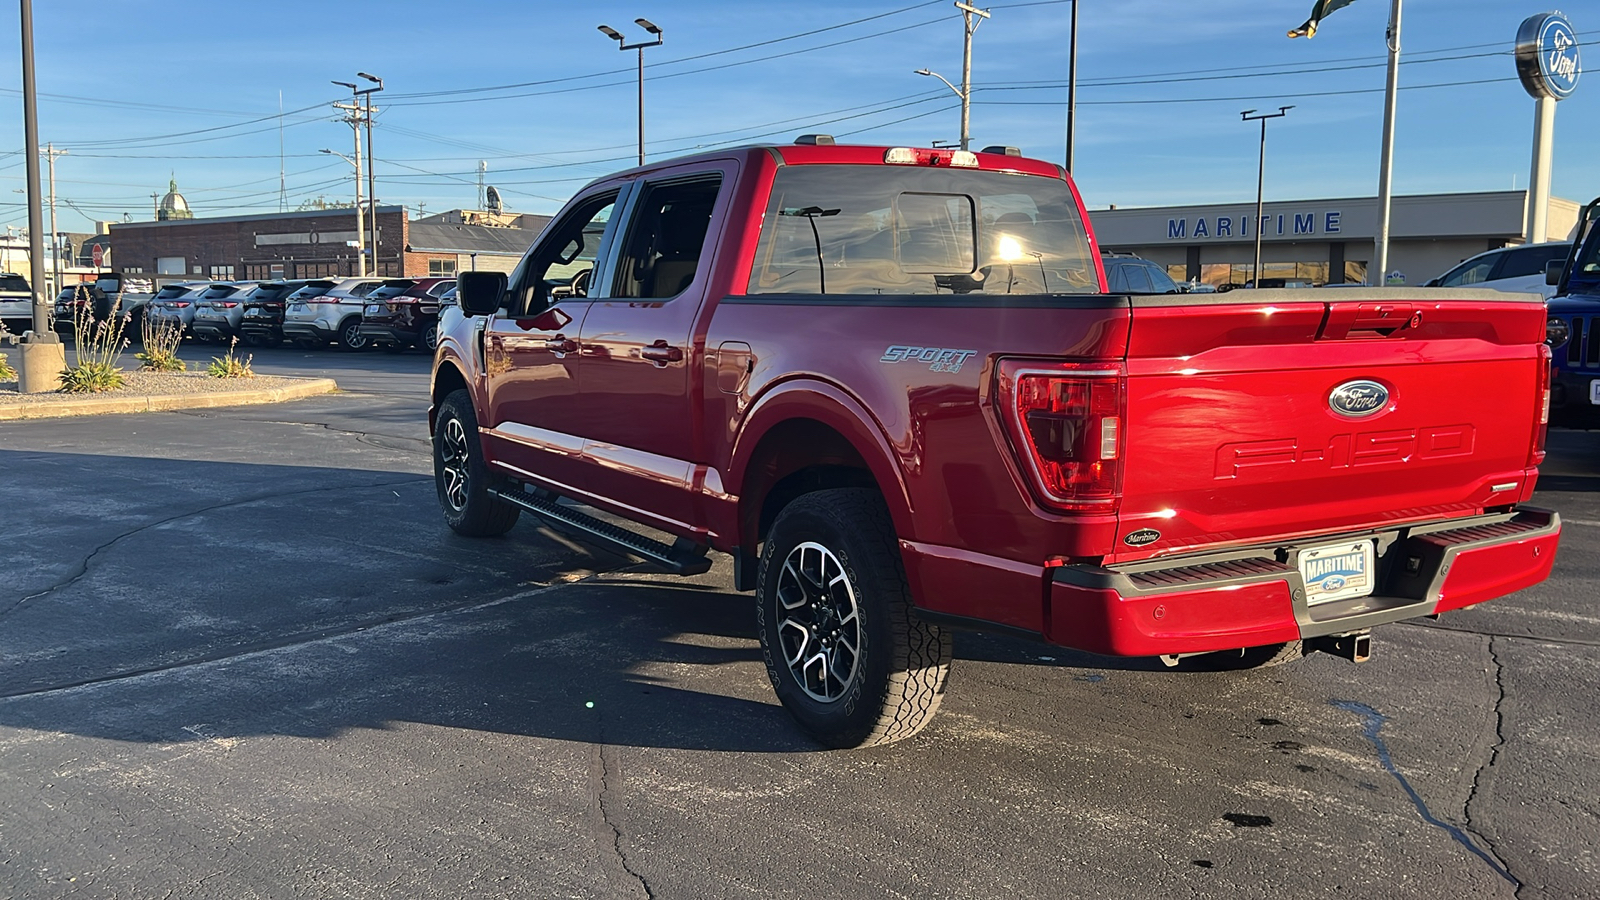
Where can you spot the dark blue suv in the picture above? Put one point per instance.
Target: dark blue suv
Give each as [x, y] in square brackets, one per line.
[1573, 329]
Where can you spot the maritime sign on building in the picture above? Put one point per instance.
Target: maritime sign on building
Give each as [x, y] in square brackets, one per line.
[1287, 224]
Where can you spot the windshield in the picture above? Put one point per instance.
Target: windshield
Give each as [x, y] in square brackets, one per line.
[899, 230]
[13, 283]
[1586, 268]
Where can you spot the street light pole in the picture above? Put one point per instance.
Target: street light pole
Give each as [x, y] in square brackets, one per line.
[971, 25]
[1386, 167]
[622, 44]
[1261, 177]
[1072, 86]
[354, 119]
[372, 167]
[931, 73]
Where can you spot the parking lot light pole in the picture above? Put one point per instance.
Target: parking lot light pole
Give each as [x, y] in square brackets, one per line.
[372, 166]
[353, 118]
[1261, 177]
[43, 355]
[622, 44]
[965, 138]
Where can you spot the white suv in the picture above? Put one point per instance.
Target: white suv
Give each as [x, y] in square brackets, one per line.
[1515, 269]
[16, 303]
[313, 321]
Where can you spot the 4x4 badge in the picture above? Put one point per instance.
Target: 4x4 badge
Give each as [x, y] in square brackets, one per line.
[939, 359]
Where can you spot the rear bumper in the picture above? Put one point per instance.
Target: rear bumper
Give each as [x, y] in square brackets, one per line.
[1256, 596]
[295, 331]
[1570, 406]
[212, 328]
[388, 334]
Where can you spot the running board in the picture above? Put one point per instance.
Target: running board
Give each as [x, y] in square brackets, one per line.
[681, 558]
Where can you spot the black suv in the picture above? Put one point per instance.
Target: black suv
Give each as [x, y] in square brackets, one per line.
[1132, 275]
[262, 322]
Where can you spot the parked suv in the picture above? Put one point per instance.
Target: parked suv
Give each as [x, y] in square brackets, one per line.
[176, 302]
[404, 312]
[1517, 269]
[261, 319]
[16, 303]
[1132, 275]
[219, 310]
[334, 315]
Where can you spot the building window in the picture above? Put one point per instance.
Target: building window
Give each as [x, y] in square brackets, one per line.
[222, 273]
[441, 267]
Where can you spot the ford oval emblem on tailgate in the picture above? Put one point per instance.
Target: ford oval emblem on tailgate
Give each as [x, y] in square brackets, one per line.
[1359, 399]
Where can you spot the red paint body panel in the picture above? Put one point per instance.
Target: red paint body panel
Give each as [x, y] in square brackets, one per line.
[1227, 439]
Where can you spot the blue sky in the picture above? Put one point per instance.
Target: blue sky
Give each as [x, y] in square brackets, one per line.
[129, 78]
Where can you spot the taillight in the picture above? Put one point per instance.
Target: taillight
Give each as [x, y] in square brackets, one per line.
[179, 304]
[225, 304]
[1065, 422]
[1541, 429]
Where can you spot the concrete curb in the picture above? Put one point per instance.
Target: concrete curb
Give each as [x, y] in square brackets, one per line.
[94, 406]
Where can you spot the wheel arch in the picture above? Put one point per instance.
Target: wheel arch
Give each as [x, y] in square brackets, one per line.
[806, 436]
[447, 379]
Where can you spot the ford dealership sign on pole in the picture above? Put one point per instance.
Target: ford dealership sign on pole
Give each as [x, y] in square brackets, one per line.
[1549, 64]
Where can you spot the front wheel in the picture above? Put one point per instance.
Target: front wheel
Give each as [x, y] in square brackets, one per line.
[843, 646]
[461, 476]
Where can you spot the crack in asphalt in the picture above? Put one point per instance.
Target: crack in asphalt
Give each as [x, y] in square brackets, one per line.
[83, 566]
[1372, 726]
[1537, 638]
[363, 437]
[607, 835]
[1494, 756]
[302, 640]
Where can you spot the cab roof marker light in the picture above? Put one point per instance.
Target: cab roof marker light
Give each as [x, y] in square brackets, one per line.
[900, 156]
[964, 159]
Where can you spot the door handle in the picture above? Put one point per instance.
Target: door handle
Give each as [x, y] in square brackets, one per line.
[660, 353]
[561, 345]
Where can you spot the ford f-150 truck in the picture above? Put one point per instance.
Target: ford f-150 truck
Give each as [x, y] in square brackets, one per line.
[890, 382]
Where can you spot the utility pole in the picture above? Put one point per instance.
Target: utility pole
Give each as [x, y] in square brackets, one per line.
[1261, 177]
[967, 14]
[55, 238]
[1386, 167]
[622, 44]
[372, 167]
[353, 118]
[483, 167]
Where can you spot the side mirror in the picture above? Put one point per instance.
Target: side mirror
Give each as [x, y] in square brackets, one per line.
[1554, 270]
[480, 293]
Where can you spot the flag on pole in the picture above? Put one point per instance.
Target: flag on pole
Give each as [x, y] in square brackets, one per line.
[1320, 11]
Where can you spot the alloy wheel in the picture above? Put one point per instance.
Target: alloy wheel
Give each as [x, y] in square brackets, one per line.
[819, 626]
[453, 456]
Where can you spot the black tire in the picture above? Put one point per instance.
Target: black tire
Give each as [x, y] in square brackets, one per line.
[350, 338]
[1262, 657]
[430, 337]
[460, 475]
[831, 553]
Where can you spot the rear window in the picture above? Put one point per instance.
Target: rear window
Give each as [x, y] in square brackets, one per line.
[268, 292]
[172, 291]
[218, 291]
[314, 289]
[893, 230]
[13, 283]
[394, 289]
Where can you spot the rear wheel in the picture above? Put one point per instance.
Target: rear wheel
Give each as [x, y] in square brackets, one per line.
[462, 478]
[843, 646]
[430, 337]
[350, 336]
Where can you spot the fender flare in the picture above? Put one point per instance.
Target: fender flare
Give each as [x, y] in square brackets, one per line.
[820, 401]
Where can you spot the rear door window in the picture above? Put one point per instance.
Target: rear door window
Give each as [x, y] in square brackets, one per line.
[873, 230]
[666, 239]
[1138, 279]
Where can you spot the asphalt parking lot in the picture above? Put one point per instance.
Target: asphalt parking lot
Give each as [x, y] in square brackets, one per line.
[241, 656]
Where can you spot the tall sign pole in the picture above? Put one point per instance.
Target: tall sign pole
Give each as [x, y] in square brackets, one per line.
[1386, 166]
[1072, 86]
[43, 356]
[1549, 64]
[1261, 180]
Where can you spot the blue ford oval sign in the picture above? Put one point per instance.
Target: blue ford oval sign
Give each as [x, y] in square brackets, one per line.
[1548, 60]
[1359, 399]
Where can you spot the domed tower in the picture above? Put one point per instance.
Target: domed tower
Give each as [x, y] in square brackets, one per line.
[173, 206]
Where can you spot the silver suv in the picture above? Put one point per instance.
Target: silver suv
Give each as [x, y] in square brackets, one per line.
[335, 315]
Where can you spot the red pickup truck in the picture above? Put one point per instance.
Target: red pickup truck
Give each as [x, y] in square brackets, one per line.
[891, 384]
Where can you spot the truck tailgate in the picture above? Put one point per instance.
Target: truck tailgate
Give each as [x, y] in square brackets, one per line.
[1260, 415]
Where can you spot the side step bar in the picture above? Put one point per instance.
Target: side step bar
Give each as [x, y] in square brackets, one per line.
[681, 558]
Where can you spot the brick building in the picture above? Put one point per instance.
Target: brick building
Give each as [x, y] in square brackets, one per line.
[317, 243]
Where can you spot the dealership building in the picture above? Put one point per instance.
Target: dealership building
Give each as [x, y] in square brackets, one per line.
[1324, 241]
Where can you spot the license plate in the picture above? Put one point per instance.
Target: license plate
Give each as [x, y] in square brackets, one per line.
[1594, 392]
[1338, 571]
[297, 307]
[374, 309]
